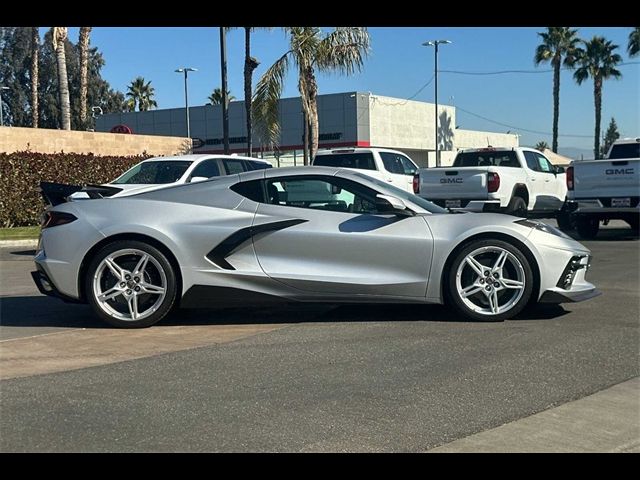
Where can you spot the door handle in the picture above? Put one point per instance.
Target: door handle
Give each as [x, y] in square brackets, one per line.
[389, 179]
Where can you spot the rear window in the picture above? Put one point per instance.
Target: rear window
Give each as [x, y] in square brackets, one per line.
[625, 150]
[487, 159]
[154, 172]
[361, 160]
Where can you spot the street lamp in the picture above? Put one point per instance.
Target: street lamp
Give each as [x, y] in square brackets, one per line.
[186, 71]
[1, 117]
[435, 43]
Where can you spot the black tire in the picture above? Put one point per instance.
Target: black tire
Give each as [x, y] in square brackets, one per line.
[454, 299]
[634, 223]
[164, 306]
[587, 227]
[565, 221]
[517, 207]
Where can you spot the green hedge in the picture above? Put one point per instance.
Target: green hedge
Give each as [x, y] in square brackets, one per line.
[21, 173]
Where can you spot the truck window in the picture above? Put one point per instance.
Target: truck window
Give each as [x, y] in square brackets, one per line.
[396, 163]
[625, 150]
[487, 159]
[532, 161]
[362, 160]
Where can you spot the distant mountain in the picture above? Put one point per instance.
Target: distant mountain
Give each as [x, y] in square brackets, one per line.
[576, 153]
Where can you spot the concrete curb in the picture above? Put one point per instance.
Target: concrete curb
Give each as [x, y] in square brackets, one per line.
[27, 242]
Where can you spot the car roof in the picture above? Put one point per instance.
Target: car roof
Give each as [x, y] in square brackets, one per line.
[328, 151]
[202, 156]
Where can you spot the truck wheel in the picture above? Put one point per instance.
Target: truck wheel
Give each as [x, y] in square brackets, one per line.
[634, 223]
[587, 227]
[517, 207]
[565, 222]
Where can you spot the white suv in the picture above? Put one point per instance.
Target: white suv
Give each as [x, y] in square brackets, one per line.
[384, 164]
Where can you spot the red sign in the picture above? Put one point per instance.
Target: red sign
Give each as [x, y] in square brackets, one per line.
[121, 129]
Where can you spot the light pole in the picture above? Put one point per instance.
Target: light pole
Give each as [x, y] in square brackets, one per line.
[1, 115]
[186, 70]
[435, 43]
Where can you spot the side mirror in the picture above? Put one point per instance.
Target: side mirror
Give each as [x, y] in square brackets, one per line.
[198, 179]
[391, 204]
[560, 169]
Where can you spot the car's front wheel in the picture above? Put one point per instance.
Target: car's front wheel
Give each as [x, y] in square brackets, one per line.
[489, 280]
[130, 284]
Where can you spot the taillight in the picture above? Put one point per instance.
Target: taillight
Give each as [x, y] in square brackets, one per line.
[493, 182]
[53, 219]
[416, 184]
[569, 176]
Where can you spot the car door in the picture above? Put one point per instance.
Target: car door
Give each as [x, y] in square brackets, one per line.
[331, 239]
[535, 182]
[399, 170]
[554, 193]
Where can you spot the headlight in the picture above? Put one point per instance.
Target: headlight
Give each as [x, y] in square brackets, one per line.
[543, 227]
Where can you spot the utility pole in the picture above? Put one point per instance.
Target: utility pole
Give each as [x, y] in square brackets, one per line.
[225, 100]
[435, 43]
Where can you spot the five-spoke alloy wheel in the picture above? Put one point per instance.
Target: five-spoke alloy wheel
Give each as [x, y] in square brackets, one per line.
[130, 284]
[489, 280]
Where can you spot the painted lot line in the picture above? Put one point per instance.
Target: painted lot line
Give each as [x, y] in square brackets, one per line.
[607, 421]
[81, 348]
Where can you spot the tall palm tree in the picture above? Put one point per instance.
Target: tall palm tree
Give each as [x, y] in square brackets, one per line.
[598, 61]
[634, 42]
[35, 53]
[558, 46]
[141, 95]
[84, 63]
[342, 50]
[59, 38]
[250, 64]
[216, 97]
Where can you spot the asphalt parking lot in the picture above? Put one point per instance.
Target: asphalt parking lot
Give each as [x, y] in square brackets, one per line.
[307, 378]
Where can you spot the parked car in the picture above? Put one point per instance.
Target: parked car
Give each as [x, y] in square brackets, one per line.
[299, 234]
[174, 170]
[603, 190]
[518, 181]
[384, 164]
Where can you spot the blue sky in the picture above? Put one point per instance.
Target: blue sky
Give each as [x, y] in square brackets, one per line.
[397, 66]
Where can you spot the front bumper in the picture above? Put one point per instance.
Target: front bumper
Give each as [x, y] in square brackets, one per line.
[557, 295]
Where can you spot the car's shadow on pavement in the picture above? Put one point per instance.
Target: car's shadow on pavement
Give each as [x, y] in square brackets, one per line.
[608, 235]
[42, 311]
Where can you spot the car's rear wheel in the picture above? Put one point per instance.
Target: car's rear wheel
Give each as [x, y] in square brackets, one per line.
[587, 227]
[489, 280]
[517, 207]
[130, 284]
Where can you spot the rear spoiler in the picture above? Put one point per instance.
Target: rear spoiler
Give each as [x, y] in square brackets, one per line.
[57, 193]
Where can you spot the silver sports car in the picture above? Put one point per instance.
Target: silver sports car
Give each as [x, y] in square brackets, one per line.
[313, 234]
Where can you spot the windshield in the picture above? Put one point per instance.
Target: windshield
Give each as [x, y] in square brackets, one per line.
[404, 195]
[165, 171]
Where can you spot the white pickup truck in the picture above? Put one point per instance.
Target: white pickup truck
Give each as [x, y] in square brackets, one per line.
[603, 190]
[519, 181]
[384, 164]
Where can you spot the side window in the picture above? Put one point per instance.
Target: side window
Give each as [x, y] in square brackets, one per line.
[233, 166]
[208, 168]
[321, 193]
[399, 164]
[532, 161]
[251, 165]
[545, 165]
[251, 190]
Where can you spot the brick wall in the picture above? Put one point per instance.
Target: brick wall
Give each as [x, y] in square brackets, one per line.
[13, 139]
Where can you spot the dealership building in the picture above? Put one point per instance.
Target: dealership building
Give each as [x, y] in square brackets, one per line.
[352, 119]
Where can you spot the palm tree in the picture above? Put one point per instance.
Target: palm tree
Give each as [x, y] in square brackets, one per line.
[84, 55]
[250, 64]
[141, 95]
[59, 37]
[597, 60]
[542, 146]
[634, 42]
[35, 51]
[558, 43]
[342, 50]
[216, 97]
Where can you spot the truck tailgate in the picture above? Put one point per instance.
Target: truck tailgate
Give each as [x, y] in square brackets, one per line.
[606, 178]
[454, 183]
